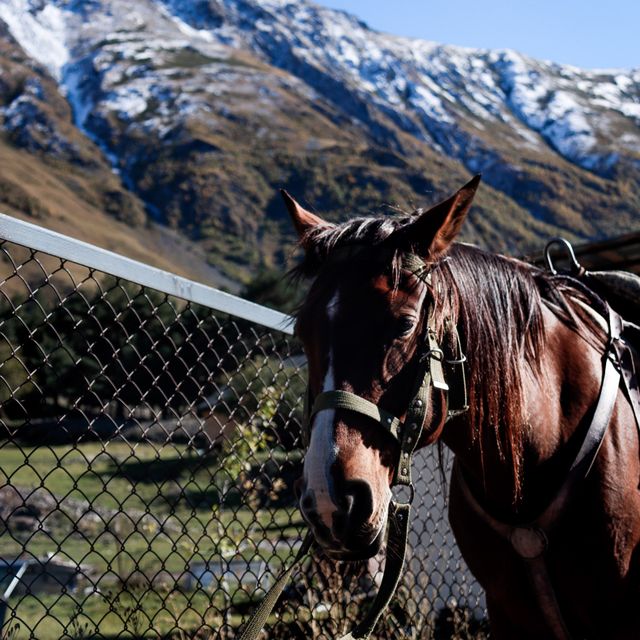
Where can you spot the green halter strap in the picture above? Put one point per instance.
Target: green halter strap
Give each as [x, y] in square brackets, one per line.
[407, 433]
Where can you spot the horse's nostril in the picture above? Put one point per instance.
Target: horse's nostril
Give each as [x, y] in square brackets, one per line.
[346, 503]
[359, 499]
[307, 502]
[356, 506]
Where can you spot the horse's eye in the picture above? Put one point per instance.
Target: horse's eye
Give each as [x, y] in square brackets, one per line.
[406, 325]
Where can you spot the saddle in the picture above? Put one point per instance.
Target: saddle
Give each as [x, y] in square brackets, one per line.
[620, 289]
[621, 292]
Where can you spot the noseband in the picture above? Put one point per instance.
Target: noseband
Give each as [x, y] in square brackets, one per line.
[407, 432]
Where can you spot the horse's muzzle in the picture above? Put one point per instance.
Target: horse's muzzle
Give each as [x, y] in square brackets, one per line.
[351, 536]
[365, 552]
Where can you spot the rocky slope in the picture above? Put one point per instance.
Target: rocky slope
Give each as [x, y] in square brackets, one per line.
[52, 174]
[190, 114]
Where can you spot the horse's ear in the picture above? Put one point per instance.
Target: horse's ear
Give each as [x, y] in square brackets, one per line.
[303, 220]
[431, 233]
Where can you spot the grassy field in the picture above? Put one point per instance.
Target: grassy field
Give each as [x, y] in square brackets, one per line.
[136, 517]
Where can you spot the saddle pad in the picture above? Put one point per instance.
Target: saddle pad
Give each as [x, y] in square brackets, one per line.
[620, 289]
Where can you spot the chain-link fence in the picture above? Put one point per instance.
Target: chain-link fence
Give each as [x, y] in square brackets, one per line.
[149, 443]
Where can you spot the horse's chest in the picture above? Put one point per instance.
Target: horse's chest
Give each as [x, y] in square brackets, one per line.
[592, 566]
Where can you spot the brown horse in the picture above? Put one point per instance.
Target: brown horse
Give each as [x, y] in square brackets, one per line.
[534, 366]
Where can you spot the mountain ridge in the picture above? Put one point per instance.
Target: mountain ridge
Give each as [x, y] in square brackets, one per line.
[202, 109]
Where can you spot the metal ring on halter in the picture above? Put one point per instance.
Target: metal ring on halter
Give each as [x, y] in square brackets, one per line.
[576, 268]
[436, 354]
[412, 493]
[461, 360]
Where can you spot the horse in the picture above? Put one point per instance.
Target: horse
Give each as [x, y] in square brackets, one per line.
[544, 506]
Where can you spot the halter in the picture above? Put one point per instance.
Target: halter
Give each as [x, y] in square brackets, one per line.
[431, 372]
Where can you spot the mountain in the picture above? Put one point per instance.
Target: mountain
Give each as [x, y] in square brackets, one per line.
[183, 117]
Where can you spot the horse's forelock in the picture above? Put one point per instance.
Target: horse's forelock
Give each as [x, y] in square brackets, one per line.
[323, 240]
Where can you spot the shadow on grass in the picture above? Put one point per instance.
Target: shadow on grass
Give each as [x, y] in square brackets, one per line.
[183, 470]
[161, 470]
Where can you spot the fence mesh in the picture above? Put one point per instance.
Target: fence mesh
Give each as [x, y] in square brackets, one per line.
[148, 450]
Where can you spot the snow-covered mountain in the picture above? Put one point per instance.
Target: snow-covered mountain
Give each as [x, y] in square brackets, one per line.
[203, 107]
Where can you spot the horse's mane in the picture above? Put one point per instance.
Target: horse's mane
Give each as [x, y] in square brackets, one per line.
[497, 303]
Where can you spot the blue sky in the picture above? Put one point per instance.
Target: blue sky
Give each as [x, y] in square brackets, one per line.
[590, 33]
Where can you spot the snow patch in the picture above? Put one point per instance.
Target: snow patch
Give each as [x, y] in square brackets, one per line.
[184, 28]
[129, 102]
[42, 34]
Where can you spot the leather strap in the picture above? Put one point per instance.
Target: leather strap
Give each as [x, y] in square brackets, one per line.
[339, 399]
[436, 357]
[414, 419]
[253, 628]
[455, 369]
[530, 540]
[621, 345]
[399, 515]
[591, 444]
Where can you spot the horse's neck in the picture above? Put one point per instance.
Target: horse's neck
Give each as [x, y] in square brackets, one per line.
[558, 405]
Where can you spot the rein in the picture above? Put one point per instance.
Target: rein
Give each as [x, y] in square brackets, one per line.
[407, 433]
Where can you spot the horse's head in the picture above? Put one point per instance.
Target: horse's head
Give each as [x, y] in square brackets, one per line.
[363, 326]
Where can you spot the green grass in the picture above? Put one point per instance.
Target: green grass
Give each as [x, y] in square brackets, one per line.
[145, 524]
[142, 614]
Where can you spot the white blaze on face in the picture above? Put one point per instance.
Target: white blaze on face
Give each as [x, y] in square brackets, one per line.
[323, 450]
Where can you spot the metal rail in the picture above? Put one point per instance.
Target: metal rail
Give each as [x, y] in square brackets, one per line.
[38, 238]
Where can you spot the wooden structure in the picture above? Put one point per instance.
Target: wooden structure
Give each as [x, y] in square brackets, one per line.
[621, 253]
